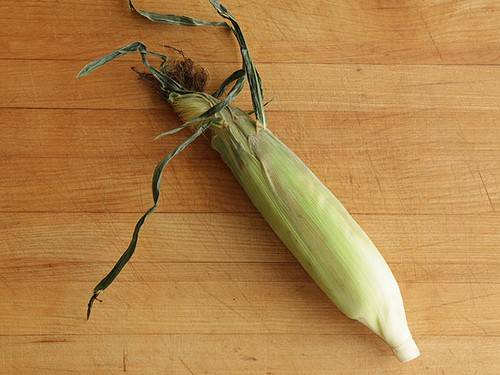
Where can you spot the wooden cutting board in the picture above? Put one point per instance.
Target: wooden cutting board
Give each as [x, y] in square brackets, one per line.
[395, 106]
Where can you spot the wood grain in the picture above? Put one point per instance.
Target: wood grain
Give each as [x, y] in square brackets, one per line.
[417, 185]
[423, 241]
[394, 105]
[230, 307]
[124, 134]
[241, 354]
[296, 87]
[374, 163]
[423, 32]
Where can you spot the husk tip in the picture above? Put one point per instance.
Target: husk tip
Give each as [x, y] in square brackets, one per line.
[91, 303]
[407, 351]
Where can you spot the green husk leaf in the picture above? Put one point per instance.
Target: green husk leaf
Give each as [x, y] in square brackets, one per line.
[166, 82]
[253, 76]
[156, 186]
[132, 47]
[233, 77]
[173, 19]
[172, 131]
[265, 105]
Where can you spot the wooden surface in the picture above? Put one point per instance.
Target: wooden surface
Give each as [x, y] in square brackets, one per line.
[395, 106]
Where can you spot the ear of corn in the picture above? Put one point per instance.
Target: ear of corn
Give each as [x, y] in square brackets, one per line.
[313, 224]
[305, 215]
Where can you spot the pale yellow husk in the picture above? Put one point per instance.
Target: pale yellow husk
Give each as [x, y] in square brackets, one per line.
[310, 221]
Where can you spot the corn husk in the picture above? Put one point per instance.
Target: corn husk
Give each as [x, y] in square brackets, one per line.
[312, 223]
[302, 211]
